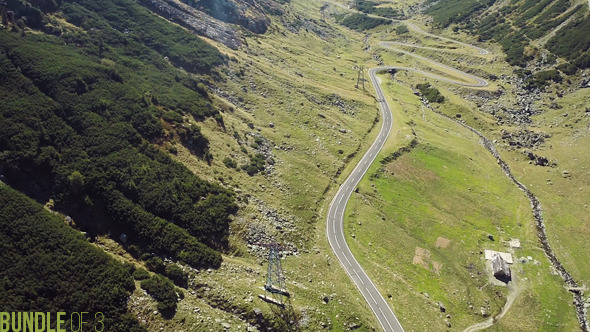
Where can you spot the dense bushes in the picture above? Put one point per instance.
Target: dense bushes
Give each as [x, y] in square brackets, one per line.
[177, 275]
[158, 235]
[181, 47]
[370, 7]
[141, 274]
[362, 22]
[81, 108]
[430, 93]
[567, 68]
[163, 291]
[541, 79]
[516, 23]
[573, 42]
[448, 12]
[47, 266]
[77, 114]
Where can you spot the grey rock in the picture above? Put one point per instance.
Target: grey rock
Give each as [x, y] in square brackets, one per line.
[196, 21]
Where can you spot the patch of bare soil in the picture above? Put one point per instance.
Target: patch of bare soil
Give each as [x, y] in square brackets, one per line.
[442, 242]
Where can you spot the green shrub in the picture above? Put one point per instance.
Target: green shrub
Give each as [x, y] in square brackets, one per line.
[568, 68]
[370, 7]
[141, 274]
[229, 162]
[134, 251]
[163, 291]
[402, 29]
[543, 78]
[430, 93]
[177, 275]
[361, 22]
[155, 264]
[257, 164]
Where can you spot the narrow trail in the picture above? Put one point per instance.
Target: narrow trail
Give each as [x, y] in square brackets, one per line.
[513, 292]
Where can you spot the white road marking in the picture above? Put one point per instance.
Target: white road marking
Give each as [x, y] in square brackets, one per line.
[387, 320]
[334, 222]
[347, 260]
[371, 295]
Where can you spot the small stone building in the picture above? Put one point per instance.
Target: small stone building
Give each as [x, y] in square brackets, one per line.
[500, 267]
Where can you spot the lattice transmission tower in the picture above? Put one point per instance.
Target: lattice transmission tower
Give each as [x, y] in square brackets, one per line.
[275, 290]
[360, 78]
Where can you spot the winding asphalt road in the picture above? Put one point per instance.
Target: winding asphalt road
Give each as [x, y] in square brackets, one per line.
[335, 218]
[478, 81]
[335, 229]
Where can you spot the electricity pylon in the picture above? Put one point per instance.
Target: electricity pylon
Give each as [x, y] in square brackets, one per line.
[275, 290]
[360, 78]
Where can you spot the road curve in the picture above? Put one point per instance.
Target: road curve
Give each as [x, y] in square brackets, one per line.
[480, 51]
[478, 81]
[335, 217]
[335, 228]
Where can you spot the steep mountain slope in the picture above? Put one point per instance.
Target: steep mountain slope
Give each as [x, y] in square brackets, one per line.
[84, 144]
[549, 40]
[103, 103]
[47, 267]
[524, 28]
[185, 155]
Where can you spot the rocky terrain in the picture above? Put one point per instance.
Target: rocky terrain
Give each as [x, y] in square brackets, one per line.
[218, 20]
[196, 21]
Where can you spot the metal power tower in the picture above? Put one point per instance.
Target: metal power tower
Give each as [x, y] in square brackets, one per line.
[275, 290]
[360, 78]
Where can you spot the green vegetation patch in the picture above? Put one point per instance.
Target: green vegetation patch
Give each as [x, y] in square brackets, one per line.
[573, 42]
[163, 291]
[49, 267]
[361, 22]
[370, 7]
[78, 117]
[514, 25]
[448, 12]
[430, 93]
[543, 78]
[257, 164]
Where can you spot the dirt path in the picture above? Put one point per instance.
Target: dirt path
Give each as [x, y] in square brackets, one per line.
[513, 291]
